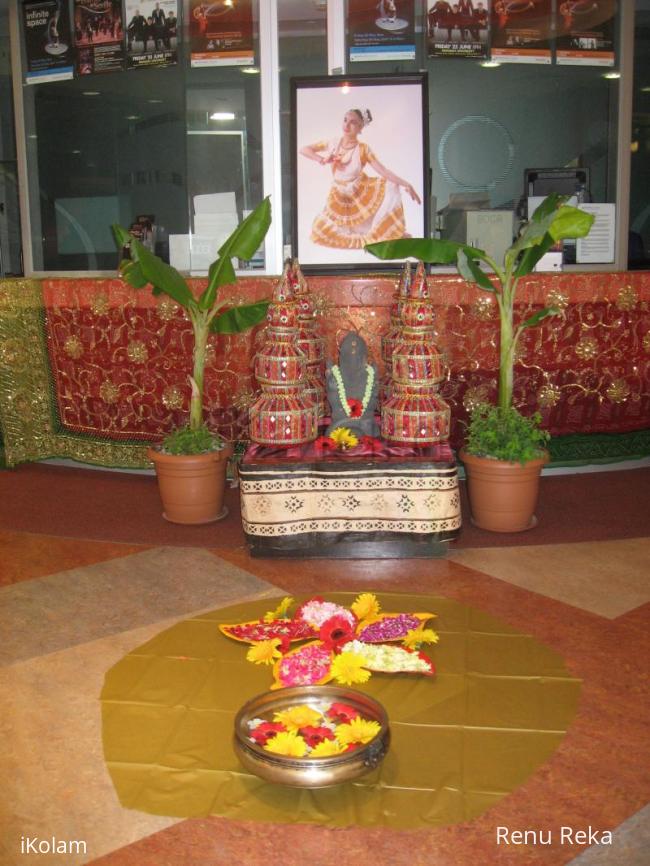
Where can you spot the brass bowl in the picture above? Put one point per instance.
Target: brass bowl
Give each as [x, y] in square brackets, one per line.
[310, 772]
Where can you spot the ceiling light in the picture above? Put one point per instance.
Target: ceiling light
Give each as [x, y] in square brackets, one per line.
[90, 93]
[345, 88]
[75, 151]
[490, 64]
[154, 101]
[612, 75]
[222, 115]
[250, 70]
[132, 117]
[645, 90]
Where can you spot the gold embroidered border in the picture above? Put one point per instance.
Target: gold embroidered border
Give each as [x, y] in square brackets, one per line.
[27, 401]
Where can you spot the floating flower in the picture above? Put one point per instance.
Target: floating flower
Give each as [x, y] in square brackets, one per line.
[340, 713]
[417, 636]
[287, 743]
[264, 652]
[262, 733]
[297, 717]
[281, 611]
[326, 749]
[348, 669]
[365, 605]
[344, 438]
[357, 731]
[356, 407]
[315, 735]
[336, 631]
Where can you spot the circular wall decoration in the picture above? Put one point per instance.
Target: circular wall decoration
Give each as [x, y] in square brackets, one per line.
[476, 153]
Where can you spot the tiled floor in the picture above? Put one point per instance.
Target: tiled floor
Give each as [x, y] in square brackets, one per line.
[71, 608]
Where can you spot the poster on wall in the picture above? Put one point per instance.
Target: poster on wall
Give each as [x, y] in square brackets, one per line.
[458, 29]
[151, 33]
[98, 35]
[585, 32]
[221, 33]
[383, 30]
[359, 166]
[521, 31]
[48, 41]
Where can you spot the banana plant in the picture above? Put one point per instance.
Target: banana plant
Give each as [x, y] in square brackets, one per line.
[551, 222]
[207, 312]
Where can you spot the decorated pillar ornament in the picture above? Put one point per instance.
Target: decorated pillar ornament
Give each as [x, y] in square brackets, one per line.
[414, 412]
[353, 388]
[284, 414]
[389, 339]
[309, 340]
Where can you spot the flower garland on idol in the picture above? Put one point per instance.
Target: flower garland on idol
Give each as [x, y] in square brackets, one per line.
[352, 407]
[337, 643]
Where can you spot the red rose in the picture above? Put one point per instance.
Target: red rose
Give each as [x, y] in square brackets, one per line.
[313, 736]
[265, 731]
[335, 632]
[356, 407]
[341, 714]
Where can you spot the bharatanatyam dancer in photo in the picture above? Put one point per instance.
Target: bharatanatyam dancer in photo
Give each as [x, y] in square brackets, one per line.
[360, 209]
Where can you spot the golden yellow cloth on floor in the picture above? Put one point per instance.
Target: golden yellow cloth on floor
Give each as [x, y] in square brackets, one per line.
[496, 710]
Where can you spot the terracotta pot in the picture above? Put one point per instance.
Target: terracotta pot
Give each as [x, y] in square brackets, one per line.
[192, 486]
[502, 495]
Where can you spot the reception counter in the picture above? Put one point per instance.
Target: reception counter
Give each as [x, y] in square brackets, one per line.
[93, 370]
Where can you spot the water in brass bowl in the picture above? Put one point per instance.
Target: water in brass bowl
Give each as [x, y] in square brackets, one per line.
[310, 772]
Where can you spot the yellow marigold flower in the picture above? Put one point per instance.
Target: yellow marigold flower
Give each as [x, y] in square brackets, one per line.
[420, 635]
[347, 669]
[287, 743]
[357, 731]
[281, 611]
[365, 605]
[298, 717]
[264, 652]
[344, 438]
[326, 748]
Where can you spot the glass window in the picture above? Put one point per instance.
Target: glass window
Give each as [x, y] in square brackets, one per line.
[302, 31]
[109, 148]
[639, 242]
[487, 125]
[10, 243]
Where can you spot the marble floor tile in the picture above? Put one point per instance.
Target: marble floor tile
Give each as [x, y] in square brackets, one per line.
[24, 556]
[630, 845]
[72, 607]
[55, 783]
[608, 578]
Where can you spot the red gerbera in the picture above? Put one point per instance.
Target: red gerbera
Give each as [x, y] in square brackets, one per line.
[356, 407]
[352, 746]
[341, 713]
[325, 443]
[265, 730]
[313, 736]
[335, 632]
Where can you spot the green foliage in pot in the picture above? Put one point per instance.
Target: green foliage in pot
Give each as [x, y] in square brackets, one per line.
[505, 434]
[207, 313]
[553, 221]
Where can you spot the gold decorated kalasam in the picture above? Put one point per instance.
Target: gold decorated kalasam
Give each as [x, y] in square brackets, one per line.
[310, 772]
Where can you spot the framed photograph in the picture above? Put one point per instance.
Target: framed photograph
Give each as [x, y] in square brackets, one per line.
[359, 167]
